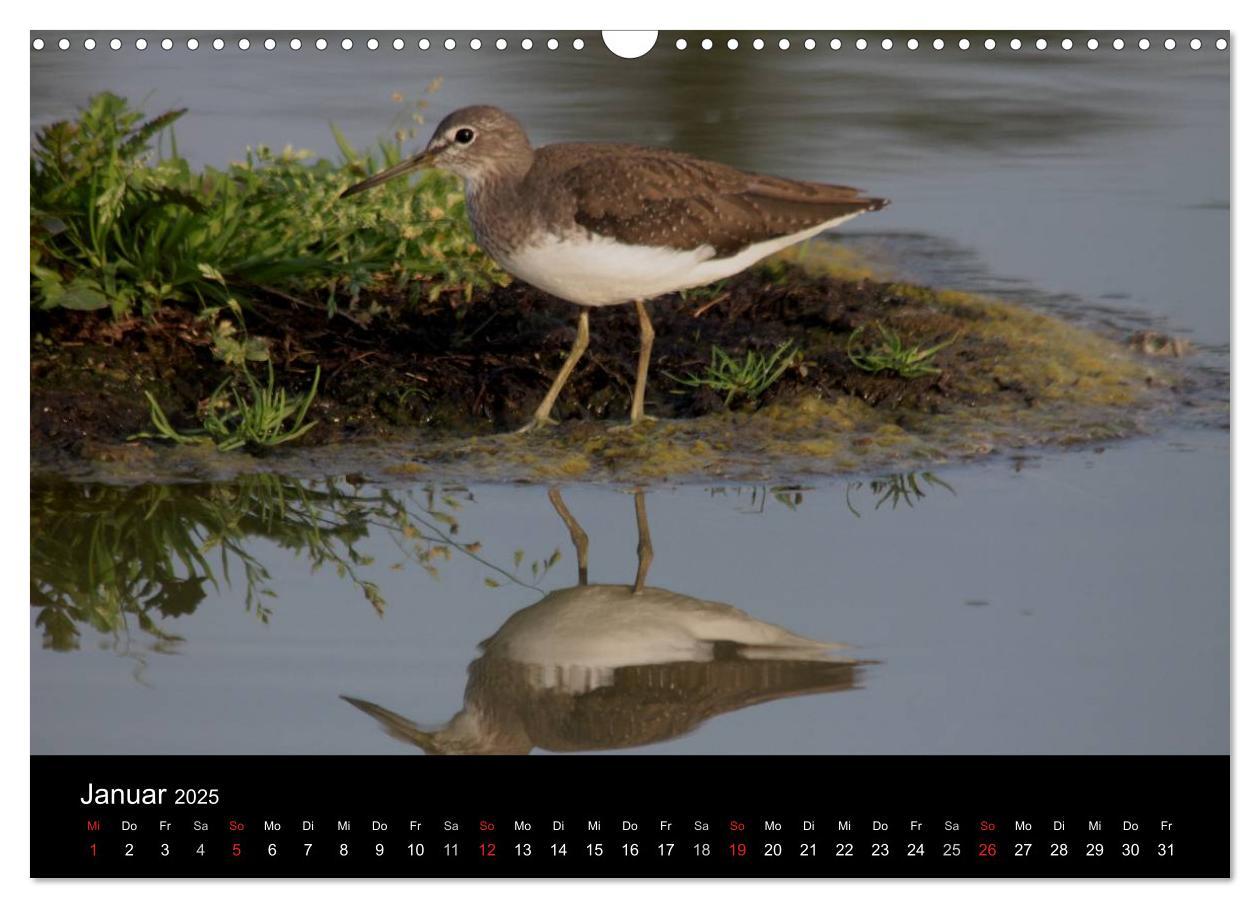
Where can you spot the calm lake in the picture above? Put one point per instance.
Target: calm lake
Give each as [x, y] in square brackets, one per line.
[1037, 602]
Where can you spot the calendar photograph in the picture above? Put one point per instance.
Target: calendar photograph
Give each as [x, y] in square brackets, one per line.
[797, 396]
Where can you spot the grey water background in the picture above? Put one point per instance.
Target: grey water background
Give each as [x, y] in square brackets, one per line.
[1077, 604]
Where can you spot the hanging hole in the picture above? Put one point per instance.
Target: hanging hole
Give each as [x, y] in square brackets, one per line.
[628, 45]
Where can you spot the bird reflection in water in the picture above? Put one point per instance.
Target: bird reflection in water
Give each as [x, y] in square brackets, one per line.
[602, 666]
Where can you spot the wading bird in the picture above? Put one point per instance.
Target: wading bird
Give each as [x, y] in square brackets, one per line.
[601, 225]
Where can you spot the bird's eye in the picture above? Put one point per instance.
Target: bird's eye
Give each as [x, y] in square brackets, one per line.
[464, 136]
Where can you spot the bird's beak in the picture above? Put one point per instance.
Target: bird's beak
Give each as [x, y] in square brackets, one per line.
[398, 727]
[424, 159]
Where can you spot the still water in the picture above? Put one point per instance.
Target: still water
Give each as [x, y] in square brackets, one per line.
[1055, 602]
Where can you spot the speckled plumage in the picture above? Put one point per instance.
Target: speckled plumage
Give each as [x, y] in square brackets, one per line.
[650, 197]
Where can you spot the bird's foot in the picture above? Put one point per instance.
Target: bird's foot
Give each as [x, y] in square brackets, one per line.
[633, 424]
[537, 422]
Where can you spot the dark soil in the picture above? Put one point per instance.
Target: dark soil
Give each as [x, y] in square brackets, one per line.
[482, 367]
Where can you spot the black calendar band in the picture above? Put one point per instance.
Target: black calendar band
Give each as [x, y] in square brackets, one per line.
[615, 816]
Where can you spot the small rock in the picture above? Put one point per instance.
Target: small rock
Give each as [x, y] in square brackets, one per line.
[1153, 343]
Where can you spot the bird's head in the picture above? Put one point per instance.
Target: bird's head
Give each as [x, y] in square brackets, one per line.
[478, 143]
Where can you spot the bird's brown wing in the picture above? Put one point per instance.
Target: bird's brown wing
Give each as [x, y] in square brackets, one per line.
[652, 197]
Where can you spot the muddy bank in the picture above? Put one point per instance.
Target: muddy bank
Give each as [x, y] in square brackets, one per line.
[435, 386]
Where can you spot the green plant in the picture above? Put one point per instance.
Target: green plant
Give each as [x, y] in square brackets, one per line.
[891, 353]
[749, 377]
[261, 416]
[116, 223]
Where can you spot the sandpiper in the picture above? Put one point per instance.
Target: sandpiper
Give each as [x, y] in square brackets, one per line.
[605, 224]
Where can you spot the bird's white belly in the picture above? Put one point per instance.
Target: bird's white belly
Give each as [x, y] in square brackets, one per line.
[575, 639]
[591, 270]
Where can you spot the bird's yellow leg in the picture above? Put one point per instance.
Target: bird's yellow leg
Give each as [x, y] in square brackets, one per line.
[646, 336]
[645, 541]
[542, 416]
[581, 543]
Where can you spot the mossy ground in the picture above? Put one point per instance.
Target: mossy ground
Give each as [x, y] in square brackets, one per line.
[438, 387]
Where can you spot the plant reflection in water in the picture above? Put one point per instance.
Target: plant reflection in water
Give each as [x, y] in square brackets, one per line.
[127, 559]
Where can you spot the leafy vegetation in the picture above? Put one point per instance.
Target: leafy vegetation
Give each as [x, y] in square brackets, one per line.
[746, 378]
[120, 221]
[260, 416]
[890, 353]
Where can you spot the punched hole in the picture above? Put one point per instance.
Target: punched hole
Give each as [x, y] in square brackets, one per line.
[628, 45]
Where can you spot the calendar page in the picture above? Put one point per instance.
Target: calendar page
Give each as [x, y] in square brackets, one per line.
[716, 454]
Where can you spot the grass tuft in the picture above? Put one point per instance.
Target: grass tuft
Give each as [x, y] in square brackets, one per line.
[890, 353]
[258, 417]
[746, 378]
